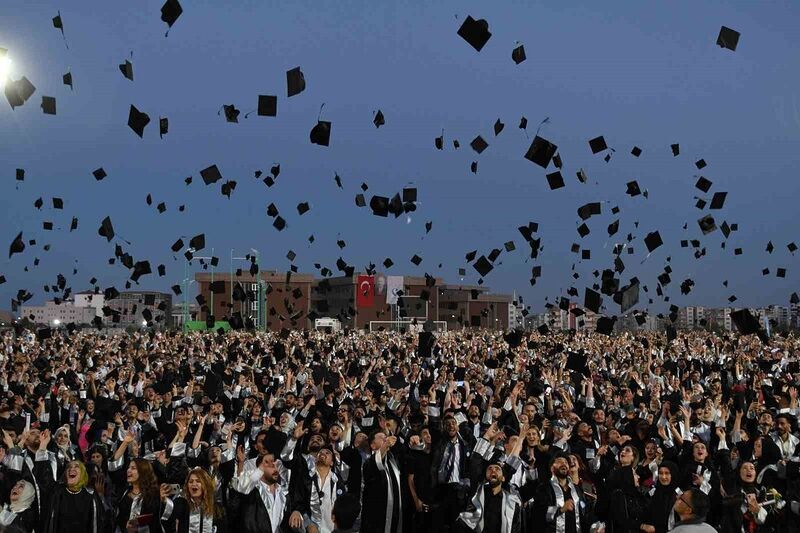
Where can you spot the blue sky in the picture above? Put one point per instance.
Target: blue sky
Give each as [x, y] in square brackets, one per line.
[646, 74]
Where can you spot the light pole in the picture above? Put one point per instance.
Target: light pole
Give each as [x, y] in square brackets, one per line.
[258, 281]
[208, 258]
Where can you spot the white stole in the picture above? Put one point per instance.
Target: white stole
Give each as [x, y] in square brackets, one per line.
[552, 512]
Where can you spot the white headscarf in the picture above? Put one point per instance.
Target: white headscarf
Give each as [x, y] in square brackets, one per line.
[25, 499]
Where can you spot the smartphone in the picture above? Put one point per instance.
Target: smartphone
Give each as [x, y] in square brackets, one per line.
[174, 489]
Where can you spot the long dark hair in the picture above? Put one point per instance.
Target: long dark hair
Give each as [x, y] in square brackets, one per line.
[148, 483]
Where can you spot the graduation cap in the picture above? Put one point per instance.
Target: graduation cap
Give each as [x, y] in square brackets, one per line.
[106, 229]
[321, 133]
[170, 12]
[633, 189]
[555, 180]
[379, 119]
[577, 363]
[653, 241]
[163, 126]
[598, 144]
[295, 82]
[745, 322]
[19, 91]
[416, 260]
[58, 203]
[279, 223]
[483, 266]
[49, 105]
[582, 177]
[127, 69]
[629, 296]
[676, 149]
[17, 245]
[541, 151]
[478, 144]
[636, 151]
[303, 208]
[74, 224]
[718, 200]
[387, 263]
[475, 32]
[587, 210]
[518, 54]
[583, 230]
[379, 206]
[137, 121]
[592, 300]
[210, 175]
[198, 242]
[728, 38]
[703, 184]
[605, 325]
[707, 224]
[267, 105]
[217, 287]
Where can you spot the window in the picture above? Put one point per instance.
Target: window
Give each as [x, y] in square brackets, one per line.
[254, 306]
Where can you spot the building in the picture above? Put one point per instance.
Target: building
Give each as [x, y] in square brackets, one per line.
[690, 317]
[90, 299]
[473, 306]
[795, 316]
[719, 318]
[779, 316]
[56, 314]
[178, 315]
[137, 309]
[272, 299]
[516, 318]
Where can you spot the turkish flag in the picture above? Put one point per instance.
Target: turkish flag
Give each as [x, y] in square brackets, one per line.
[365, 291]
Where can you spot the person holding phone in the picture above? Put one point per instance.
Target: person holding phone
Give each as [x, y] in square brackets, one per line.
[194, 508]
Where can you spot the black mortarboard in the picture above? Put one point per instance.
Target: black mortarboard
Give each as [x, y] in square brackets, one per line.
[541, 151]
[272, 210]
[198, 242]
[20, 174]
[67, 79]
[379, 206]
[58, 203]
[613, 228]
[137, 121]
[17, 245]
[518, 54]
[19, 91]
[439, 142]
[379, 119]
[582, 177]
[509, 246]
[303, 208]
[794, 299]
[478, 144]
[409, 194]
[106, 229]
[592, 300]
[770, 247]
[231, 113]
[629, 296]
[718, 200]
[210, 175]
[700, 164]
[707, 224]
[703, 184]
[170, 12]
[47, 226]
[483, 266]
[653, 241]
[49, 105]
[577, 363]
[583, 230]
[555, 180]
[162, 270]
[633, 189]
[523, 123]
[780, 272]
[321, 133]
[598, 144]
[416, 259]
[676, 149]
[745, 322]
[792, 247]
[127, 69]
[473, 167]
[636, 151]
[163, 126]
[387, 263]
[605, 325]
[586, 255]
[279, 223]
[99, 174]
[295, 82]
[74, 224]
[267, 105]
[360, 201]
[475, 32]
[587, 210]
[728, 38]
[176, 247]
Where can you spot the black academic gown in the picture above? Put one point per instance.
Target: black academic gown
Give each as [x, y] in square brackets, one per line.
[380, 481]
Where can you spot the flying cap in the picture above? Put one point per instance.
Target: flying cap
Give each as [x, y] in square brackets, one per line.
[137, 121]
[475, 32]
[267, 105]
[379, 119]
[295, 82]
[598, 144]
[321, 133]
[106, 229]
[653, 241]
[555, 180]
[211, 175]
[19, 91]
[49, 105]
[541, 151]
[170, 12]
[127, 69]
[728, 38]
[518, 54]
